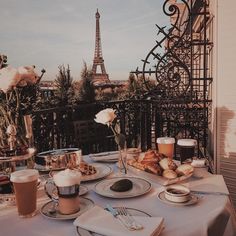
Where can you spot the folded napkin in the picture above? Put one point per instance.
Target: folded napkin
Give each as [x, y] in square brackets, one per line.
[199, 163]
[105, 156]
[102, 222]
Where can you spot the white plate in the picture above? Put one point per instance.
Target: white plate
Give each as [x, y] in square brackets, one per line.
[140, 187]
[85, 204]
[193, 200]
[102, 170]
[132, 211]
[109, 157]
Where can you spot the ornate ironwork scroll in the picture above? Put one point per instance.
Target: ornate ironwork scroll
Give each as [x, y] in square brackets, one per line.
[179, 63]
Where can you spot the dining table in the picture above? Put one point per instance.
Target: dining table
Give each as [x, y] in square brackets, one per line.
[212, 214]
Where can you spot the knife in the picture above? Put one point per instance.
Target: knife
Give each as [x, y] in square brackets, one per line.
[115, 213]
[83, 232]
[209, 193]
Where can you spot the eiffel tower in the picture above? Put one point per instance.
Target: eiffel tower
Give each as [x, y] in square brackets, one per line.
[102, 76]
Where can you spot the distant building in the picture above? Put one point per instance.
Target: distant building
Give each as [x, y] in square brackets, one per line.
[47, 88]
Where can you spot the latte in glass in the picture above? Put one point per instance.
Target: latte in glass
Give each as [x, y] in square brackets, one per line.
[67, 183]
[25, 187]
[166, 146]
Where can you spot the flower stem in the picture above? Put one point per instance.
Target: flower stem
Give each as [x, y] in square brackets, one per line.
[116, 139]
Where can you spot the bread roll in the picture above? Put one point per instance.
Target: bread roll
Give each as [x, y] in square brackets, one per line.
[167, 164]
[169, 174]
[184, 169]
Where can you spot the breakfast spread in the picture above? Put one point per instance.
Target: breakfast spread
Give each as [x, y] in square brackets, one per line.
[86, 169]
[159, 164]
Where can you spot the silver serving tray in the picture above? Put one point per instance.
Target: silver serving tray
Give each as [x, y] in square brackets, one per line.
[58, 159]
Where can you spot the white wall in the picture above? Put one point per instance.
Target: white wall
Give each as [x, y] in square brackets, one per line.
[224, 98]
[226, 77]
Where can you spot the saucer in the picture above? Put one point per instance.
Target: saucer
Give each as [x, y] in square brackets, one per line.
[85, 204]
[193, 199]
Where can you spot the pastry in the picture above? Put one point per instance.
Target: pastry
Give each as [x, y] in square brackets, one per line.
[150, 156]
[184, 169]
[87, 169]
[167, 164]
[153, 168]
[136, 164]
[169, 174]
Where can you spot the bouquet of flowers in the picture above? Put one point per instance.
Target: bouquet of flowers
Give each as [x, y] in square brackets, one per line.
[17, 96]
[107, 117]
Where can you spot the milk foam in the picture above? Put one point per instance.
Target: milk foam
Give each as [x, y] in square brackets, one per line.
[67, 178]
[165, 140]
[24, 176]
[187, 142]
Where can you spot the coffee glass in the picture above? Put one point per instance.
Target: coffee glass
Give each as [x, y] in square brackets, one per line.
[186, 148]
[67, 183]
[25, 187]
[166, 146]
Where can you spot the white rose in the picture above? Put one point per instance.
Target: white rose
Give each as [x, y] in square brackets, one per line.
[105, 116]
[11, 77]
[7, 76]
[27, 76]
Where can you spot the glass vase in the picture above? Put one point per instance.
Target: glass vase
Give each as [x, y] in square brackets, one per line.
[122, 161]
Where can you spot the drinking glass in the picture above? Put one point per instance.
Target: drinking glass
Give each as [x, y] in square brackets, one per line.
[25, 187]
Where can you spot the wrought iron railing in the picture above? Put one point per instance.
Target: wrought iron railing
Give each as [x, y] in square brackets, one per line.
[138, 119]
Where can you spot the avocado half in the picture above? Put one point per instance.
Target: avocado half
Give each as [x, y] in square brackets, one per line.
[122, 185]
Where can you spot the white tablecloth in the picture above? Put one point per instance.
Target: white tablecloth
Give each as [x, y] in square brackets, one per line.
[213, 215]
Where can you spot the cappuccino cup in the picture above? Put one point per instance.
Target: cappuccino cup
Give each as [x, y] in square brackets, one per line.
[67, 183]
[25, 188]
[166, 146]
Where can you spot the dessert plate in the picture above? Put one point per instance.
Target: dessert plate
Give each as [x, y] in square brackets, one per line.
[132, 211]
[193, 200]
[47, 211]
[102, 171]
[140, 187]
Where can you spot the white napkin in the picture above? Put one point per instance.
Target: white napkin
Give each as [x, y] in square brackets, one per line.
[199, 163]
[105, 156]
[102, 222]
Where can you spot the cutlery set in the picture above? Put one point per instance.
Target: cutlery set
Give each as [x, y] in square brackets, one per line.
[125, 218]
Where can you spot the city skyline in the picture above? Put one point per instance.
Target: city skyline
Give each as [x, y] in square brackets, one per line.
[51, 33]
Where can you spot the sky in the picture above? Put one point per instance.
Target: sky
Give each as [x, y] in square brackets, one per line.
[49, 33]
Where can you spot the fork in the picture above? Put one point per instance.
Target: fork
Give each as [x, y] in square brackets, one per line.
[133, 223]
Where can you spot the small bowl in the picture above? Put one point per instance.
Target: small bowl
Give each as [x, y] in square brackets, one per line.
[177, 193]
